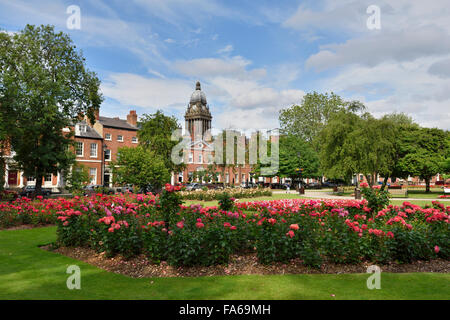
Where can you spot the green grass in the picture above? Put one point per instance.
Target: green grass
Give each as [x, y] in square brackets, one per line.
[28, 272]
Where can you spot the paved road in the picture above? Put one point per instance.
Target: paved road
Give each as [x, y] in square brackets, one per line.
[326, 195]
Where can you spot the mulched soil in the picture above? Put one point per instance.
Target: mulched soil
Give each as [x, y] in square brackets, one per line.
[140, 267]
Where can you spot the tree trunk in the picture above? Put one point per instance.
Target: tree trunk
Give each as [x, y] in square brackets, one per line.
[427, 182]
[384, 183]
[38, 189]
[2, 172]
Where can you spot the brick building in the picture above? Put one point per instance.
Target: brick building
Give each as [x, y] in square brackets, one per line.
[200, 153]
[95, 146]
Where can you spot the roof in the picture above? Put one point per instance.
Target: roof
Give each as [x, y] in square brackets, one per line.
[90, 132]
[116, 123]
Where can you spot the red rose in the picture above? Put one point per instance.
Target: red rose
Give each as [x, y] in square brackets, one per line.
[436, 249]
[180, 224]
[294, 226]
[199, 225]
[290, 234]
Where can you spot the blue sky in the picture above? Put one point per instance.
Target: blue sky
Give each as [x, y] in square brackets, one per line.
[254, 58]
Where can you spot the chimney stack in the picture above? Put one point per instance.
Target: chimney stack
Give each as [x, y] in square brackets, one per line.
[132, 118]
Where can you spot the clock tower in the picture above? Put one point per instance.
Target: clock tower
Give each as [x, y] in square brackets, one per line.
[198, 117]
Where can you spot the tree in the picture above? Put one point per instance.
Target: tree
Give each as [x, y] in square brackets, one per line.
[397, 123]
[423, 152]
[357, 144]
[3, 148]
[297, 154]
[44, 88]
[140, 167]
[311, 116]
[77, 177]
[155, 134]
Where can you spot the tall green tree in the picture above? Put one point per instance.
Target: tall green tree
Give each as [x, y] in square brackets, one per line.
[155, 132]
[297, 154]
[352, 143]
[423, 153]
[44, 88]
[140, 167]
[312, 115]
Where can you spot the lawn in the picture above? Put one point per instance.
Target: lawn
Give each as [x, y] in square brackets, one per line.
[28, 272]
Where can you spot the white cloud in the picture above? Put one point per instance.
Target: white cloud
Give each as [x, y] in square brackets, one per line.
[405, 45]
[214, 67]
[226, 49]
[150, 93]
[397, 87]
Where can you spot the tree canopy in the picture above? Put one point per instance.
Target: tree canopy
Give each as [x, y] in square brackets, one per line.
[155, 132]
[311, 116]
[44, 88]
[352, 143]
[422, 152]
[140, 167]
[297, 154]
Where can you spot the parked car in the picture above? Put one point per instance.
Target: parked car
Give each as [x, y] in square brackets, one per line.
[248, 185]
[329, 184]
[124, 189]
[97, 188]
[193, 186]
[313, 185]
[150, 188]
[27, 191]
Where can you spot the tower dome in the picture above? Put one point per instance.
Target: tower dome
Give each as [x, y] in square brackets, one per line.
[198, 95]
[198, 117]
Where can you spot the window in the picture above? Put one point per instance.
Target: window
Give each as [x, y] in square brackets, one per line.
[134, 140]
[48, 177]
[31, 179]
[108, 136]
[120, 138]
[227, 178]
[200, 158]
[93, 175]
[93, 150]
[107, 155]
[83, 128]
[79, 149]
[236, 178]
[243, 177]
[191, 157]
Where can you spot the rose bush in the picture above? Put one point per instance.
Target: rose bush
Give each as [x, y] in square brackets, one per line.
[315, 231]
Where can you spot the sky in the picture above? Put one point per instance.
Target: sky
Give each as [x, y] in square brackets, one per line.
[254, 58]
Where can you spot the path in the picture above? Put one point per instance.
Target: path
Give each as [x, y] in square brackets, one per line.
[327, 195]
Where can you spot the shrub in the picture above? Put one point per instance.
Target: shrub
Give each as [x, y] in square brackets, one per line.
[377, 199]
[226, 202]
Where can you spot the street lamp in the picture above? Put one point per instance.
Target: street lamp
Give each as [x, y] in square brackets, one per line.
[104, 161]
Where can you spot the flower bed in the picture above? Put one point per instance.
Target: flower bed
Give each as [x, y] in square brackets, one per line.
[311, 231]
[213, 194]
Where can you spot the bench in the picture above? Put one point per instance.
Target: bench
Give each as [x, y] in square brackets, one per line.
[399, 192]
[446, 190]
